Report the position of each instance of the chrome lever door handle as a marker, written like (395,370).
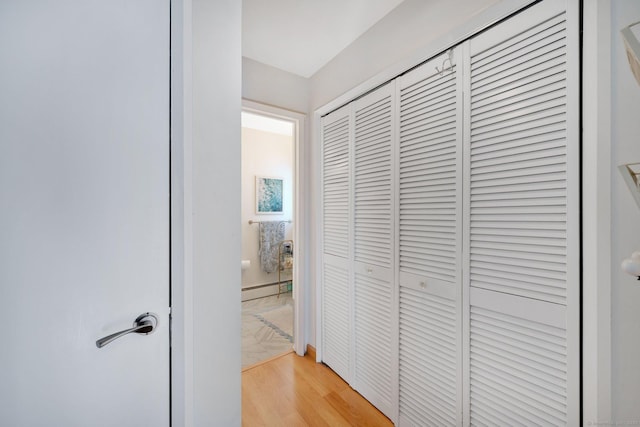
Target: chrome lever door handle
(144,324)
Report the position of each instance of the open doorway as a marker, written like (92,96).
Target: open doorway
(270,238)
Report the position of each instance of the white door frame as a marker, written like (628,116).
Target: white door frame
(300,287)
(205,383)
(596,212)
(181,222)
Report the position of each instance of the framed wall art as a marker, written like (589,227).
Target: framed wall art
(269,195)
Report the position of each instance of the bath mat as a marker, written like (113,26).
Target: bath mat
(279,320)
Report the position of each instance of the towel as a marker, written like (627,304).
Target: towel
(271,234)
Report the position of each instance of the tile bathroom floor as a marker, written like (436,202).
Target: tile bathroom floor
(267,328)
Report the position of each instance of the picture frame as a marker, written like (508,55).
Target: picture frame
(269,195)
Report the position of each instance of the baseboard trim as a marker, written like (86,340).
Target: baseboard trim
(264,285)
(311,351)
(262,291)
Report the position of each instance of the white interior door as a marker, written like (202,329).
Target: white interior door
(84,224)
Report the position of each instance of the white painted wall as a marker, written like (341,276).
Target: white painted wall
(405,30)
(272,86)
(625,221)
(212,204)
(263,154)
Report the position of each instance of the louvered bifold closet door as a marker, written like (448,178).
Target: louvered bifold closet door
(523,219)
(336,261)
(374,120)
(429,227)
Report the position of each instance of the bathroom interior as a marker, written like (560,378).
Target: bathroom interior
(267,237)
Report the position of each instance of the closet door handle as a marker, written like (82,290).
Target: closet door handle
(144,324)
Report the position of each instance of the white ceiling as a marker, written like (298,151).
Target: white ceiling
(300,36)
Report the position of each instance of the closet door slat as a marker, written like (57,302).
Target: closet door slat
(335,184)
(373,376)
(500,168)
(428,368)
(429,169)
(336,334)
(518,359)
(372,178)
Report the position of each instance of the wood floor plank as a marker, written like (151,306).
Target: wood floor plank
(296,419)
(358,405)
(296,391)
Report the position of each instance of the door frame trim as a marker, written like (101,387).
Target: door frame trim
(596,211)
(300,291)
(181,198)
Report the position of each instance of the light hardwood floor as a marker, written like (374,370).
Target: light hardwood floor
(296,391)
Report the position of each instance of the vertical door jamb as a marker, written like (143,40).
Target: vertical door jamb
(299,213)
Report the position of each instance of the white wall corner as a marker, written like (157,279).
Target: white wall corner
(596,211)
